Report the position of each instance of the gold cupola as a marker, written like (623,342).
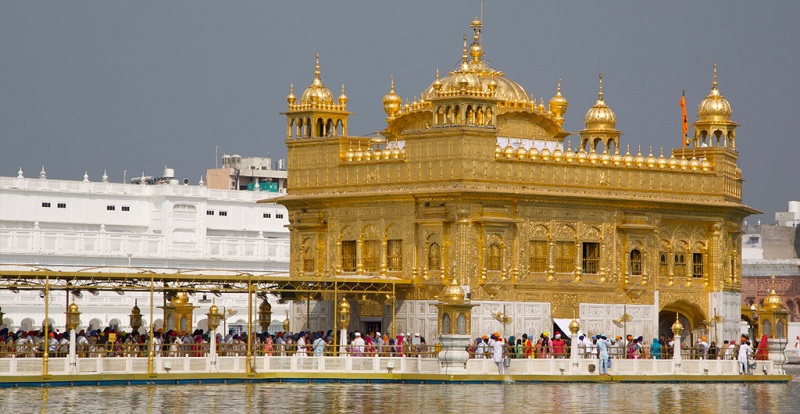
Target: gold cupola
(600,116)
(714,108)
(601,126)
(773,301)
(343,98)
(558,105)
(317,93)
(291,98)
(392,101)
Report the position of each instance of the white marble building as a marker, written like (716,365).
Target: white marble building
(61,224)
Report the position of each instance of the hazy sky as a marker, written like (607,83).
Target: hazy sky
(135,85)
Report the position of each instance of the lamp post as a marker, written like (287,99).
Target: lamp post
(344,322)
(264,314)
(73,320)
(574,327)
(213,316)
(677,330)
(135,317)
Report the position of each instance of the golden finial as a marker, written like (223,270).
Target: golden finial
(464,53)
(391,80)
(600,93)
(316,67)
(291,98)
(342,97)
(714,85)
(558,90)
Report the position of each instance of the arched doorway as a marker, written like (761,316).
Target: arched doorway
(691,317)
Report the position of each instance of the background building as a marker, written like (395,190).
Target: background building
(248,173)
(88,225)
(773,250)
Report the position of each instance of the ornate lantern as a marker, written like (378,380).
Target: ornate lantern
(73,316)
(213,316)
(136,317)
(286,323)
(677,327)
(264,315)
(344,314)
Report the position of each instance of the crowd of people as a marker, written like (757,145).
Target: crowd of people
(111,343)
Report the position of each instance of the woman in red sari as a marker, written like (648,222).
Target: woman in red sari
(763,353)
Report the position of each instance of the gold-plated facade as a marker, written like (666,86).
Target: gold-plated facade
(475,182)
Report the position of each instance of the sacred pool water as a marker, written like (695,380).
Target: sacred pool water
(405,398)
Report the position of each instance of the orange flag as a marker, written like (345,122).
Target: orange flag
(685,126)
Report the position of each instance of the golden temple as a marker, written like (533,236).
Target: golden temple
(474,183)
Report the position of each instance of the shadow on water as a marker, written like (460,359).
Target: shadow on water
(507,397)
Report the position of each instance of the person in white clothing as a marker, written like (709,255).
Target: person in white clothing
(301,345)
(497,355)
(797,346)
(744,352)
(358,345)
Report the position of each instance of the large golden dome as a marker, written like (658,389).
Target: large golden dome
(316,93)
(600,116)
(714,107)
(453,293)
(476,76)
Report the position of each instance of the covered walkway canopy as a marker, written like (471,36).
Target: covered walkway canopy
(109,278)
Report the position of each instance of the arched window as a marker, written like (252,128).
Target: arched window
(767,328)
(446,323)
(434,257)
(636,262)
(308,260)
(662,264)
(495,258)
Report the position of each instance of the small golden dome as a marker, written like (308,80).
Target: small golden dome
(674,163)
(705,164)
(714,108)
(265,306)
(386,153)
(628,158)
(522,152)
(317,93)
(545,153)
(498,151)
(677,327)
(559,104)
(569,154)
(508,151)
(574,326)
(694,164)
(616,158)
(180,298)
(582,155)
(662,162)
(533,153)
(73,307)
(600,116)
(136,310)
(343,98)
(348,156)
(453,293)
(391,101)
(541,105)
(395,152)
(773,302)
(558,154)
(639,160)
(213,309)
(593,157)
(290,97)
(650,160)
(684,163)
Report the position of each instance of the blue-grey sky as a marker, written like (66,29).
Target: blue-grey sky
(135,85)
